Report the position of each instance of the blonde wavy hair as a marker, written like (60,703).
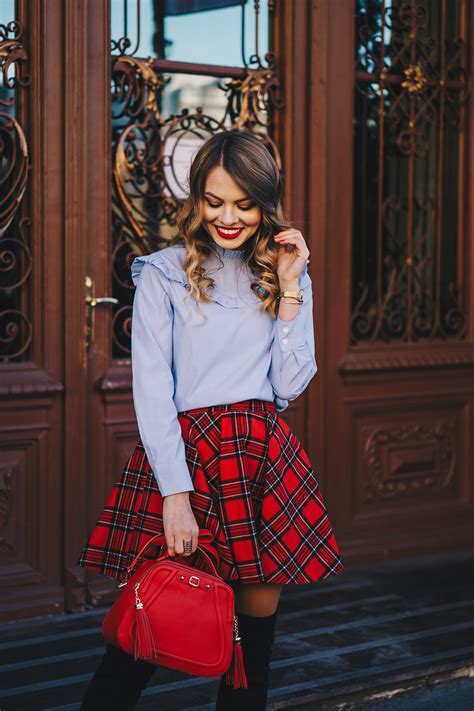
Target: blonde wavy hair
(253,168)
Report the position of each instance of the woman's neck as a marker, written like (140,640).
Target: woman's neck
(232,253)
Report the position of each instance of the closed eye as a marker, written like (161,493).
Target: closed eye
(241,207)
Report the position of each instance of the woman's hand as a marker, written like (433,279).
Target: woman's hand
(290,261)
(179,523)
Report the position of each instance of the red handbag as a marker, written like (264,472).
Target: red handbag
(178,616)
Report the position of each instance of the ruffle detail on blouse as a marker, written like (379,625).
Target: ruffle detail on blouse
(233,302)
(168,261)
(158,260)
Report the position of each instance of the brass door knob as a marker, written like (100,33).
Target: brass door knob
(91,302)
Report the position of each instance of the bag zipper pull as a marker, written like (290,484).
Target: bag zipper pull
(144,643)
(235,674)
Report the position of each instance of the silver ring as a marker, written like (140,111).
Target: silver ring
(188,546)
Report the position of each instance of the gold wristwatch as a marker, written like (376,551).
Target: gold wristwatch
(298,295)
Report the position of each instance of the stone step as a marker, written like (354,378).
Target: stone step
(354,639)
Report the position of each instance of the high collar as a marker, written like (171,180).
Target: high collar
(228,252)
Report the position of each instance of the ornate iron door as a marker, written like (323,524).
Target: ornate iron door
(90,135)
(158,111)
(400,348)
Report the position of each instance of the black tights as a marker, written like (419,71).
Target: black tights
(117,683)
(119,680)
(258,635)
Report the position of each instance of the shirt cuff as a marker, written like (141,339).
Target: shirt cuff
(174,479)
(291,334)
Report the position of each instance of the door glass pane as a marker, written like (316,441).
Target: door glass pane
(159,119)
(7,15)
(410,106)
(15,247)
(209,36)
(220,33)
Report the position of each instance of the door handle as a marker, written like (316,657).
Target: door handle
(91,303)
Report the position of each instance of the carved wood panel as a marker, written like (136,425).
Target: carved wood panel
(406,454)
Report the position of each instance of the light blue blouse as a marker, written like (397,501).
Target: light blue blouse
(181,360)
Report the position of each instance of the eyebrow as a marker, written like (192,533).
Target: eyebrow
(218,198)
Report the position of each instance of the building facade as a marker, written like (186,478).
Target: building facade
(367,107)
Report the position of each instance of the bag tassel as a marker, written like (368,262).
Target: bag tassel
(235,675)
(144,641)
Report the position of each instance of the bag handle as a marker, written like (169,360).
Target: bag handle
(205,555)
(205,538)
(204,547)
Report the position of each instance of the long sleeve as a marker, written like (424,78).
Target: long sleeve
(153,383)
(293,362)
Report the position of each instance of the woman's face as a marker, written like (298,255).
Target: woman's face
(230,216)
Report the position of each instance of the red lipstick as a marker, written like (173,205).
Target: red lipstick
(229,235)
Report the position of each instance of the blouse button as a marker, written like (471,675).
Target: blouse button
(284,340)
(285,329)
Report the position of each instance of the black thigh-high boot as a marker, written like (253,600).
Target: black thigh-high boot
(258,636)
(117,683)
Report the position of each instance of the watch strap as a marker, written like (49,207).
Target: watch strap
(293,294)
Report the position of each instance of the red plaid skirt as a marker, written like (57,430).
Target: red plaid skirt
(254,489)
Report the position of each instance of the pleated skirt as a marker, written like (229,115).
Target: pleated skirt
(254,489)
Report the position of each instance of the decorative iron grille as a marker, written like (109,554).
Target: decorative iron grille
(15,250)
(411,99)
(155,132)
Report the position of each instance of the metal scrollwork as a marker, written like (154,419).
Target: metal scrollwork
(151,152)
(15,254)
(12,58)
(412,89)
(250,101)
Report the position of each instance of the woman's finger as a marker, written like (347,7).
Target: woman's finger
(288,232)
(170,543)
(189,536)
(294,239)
(179,543)
(296,242)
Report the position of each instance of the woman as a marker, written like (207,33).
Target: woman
(222,339)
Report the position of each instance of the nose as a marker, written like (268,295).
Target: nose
(228,217)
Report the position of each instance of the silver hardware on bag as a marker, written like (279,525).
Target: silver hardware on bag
(138,602)
(237,637)
(194,580)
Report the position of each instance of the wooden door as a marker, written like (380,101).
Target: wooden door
(68,422)
(32,375)
(387,421)
(393,164)
(55,181)
(133,188)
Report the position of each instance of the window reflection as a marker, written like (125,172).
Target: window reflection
(214,37)
(209,36)
(7,15)
(191,91)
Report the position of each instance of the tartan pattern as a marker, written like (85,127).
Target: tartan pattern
(255,490)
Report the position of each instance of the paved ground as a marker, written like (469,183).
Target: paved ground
(457,695)
(386,637)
